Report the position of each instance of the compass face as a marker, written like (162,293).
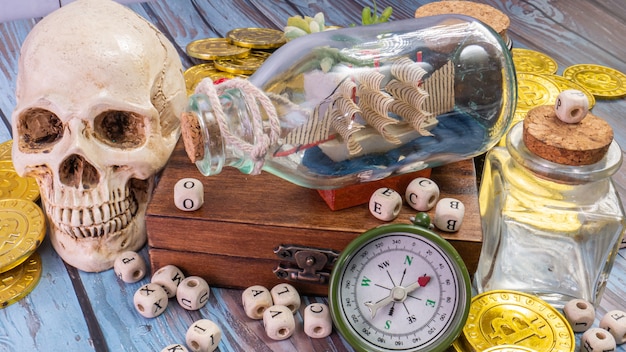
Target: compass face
(400,288)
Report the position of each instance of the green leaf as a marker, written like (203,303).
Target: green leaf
(384,17)
(292,32)
(366,16)
(319,18)
(298,22)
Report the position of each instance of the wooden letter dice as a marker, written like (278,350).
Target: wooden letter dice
(188,194)
(279,322)
(150,300)
(192,293)
(169,277)
(580,314)
(256,299)
(129,266)
(597,340)
(286,295)
(203,336)
(177,347)
(385,204)
(422,194)
(571,106)
(449,214)
(317,321)
(615,323)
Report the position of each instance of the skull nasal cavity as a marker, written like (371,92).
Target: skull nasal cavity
(76,172)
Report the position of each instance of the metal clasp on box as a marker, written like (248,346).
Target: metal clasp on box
(305,264)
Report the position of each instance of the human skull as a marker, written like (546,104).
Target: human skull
(99,91)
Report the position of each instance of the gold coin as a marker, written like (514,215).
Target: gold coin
(215,49)
(5,150)
(460,345)
(6,163)
(194,74)
(13,185)
(246,65)
(16,283)
(534,90)
(565,84)
(22,228)
(601,81)
(505,317)
(530,61)
(257,38)
(509,348)
(197,73)
(455,347)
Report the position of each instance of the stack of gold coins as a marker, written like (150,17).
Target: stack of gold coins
(239,54)
(539,84)
(22,229)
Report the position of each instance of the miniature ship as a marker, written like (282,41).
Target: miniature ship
(376,110)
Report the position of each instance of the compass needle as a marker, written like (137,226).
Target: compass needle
(397,294)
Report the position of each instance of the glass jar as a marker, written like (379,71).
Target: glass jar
(359,104)
(548,229)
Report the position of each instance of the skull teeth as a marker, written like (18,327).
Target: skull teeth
(108,218)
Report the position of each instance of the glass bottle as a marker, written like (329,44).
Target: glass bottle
(549,229)
(360,104)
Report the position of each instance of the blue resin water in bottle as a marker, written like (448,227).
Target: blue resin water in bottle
(353,105)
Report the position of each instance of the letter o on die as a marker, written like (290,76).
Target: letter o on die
(188,194)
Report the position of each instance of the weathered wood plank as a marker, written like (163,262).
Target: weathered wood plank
(12,35)
(50,317)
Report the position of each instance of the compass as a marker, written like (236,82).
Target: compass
(399,288)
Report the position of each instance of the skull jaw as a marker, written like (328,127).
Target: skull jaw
(96,254)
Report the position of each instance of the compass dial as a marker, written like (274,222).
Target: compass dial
(399,288)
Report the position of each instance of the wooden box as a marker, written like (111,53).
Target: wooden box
(358,194)
(253,226)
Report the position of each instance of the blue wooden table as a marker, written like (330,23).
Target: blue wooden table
(75,311)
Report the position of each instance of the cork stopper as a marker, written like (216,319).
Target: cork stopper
(582,143)
(192,136)
(491,16)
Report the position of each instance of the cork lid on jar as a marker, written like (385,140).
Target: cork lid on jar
(491,16)
(574,143)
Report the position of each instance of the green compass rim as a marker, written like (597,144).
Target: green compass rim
(340,321)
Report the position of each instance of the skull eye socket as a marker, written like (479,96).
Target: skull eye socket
(121,129)
(39,129)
